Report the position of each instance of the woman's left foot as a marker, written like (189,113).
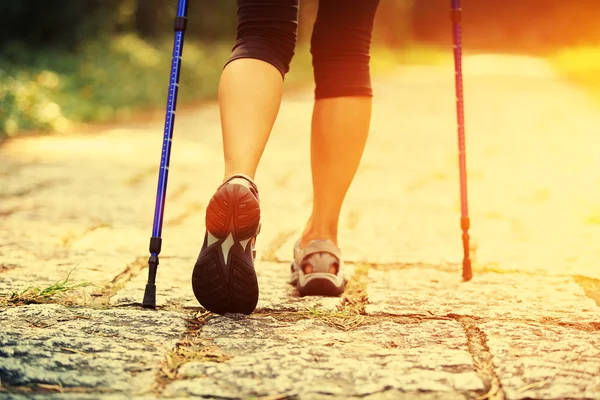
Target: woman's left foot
(224,279)
(318,269)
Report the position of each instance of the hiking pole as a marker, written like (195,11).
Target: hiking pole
(456,13)
(163,173)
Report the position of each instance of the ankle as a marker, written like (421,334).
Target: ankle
(246,172)
(315,231)
(238,175)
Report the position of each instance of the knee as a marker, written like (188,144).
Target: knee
(267,30)
(340,48)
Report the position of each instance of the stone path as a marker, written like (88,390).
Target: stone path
(526,327)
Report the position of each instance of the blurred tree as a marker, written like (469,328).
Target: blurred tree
(210,20)
(60,23)
(153,17)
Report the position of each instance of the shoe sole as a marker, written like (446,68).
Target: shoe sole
(317,284)
(224,279)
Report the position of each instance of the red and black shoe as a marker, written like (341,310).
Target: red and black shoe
(224,279)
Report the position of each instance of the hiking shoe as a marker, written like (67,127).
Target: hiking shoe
(318,269)
(224,279)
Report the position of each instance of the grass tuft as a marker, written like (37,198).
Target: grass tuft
(189,349)
(36,295)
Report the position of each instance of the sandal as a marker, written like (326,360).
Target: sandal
(317,270)
(224,279)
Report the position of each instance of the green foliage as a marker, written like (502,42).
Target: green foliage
(71,60)
(27,102)
(35,295)
(46,90)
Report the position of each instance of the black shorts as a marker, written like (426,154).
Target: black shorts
(340,42)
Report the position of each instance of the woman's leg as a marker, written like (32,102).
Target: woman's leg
(251,84)
(342,111)
(224,279)
(249,97)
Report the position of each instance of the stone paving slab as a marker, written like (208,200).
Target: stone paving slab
(489,295)
(173,286)
(114,350)
(307,357)
(545,362)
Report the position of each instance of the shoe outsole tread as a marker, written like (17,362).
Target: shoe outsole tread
(224,279)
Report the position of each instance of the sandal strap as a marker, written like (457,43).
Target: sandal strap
(321,246)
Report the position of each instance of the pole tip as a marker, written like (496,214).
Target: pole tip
(467,272)
(149,296)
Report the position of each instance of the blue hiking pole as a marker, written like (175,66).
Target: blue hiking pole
(456,13)
(156,240)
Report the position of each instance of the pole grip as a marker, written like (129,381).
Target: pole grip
(180,24)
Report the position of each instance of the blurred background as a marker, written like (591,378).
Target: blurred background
(73,61)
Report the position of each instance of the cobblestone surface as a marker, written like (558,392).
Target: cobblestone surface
(309,358)
(541,361)
(489,295)
(81,206)
(111,350)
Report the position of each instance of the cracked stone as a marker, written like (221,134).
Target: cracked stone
(489,295)
(547,362)
(173,285)
(308,358)
(98,349)
(40,258)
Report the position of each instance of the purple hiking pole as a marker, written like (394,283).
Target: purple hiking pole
(149,300)
(456,13)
